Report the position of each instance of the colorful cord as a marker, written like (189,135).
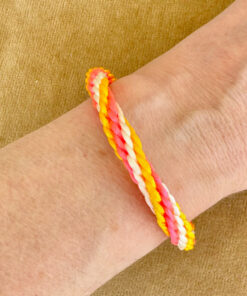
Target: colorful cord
(128,148)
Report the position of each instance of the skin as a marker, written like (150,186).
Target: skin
(70,216)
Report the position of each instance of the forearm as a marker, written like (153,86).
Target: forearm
(68,207)
(71,218)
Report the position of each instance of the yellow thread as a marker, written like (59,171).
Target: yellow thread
(148,179)
(189,231)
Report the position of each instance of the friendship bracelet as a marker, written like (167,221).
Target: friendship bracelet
(128,148)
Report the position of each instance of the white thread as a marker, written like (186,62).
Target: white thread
(95,88)
(132,158)
(182,242)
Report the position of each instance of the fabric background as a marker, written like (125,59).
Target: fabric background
(46,47)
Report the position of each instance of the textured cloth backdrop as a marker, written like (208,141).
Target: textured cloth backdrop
(46,47)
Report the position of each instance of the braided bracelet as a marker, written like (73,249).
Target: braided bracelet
(128,148)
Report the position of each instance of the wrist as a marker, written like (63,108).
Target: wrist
(172,141)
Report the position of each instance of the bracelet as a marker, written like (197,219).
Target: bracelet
(128,148)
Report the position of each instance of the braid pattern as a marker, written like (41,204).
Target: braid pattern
(128,148)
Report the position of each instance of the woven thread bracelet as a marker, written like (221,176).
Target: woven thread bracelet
(128,148)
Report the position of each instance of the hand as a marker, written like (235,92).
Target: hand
(71,218)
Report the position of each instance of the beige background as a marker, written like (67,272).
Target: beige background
(46,47)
